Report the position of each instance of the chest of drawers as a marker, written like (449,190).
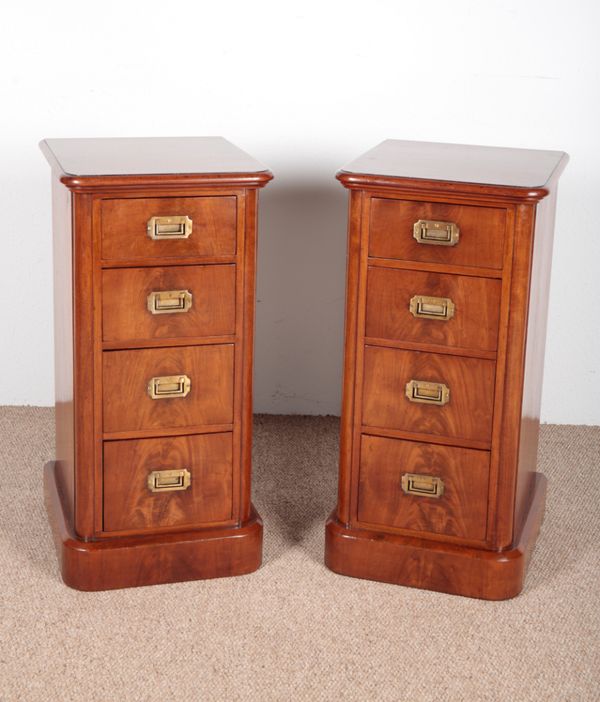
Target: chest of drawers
(448,273)
(154,262)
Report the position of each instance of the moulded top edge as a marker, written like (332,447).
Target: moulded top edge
(151,156)
(526,169)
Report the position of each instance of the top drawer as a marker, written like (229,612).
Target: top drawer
(479,242)
(166,227)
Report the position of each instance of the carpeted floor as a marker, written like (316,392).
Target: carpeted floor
(294,630)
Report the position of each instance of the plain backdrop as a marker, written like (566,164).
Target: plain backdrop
(304,87)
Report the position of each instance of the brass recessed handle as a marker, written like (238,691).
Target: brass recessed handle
(441,308)
(169,301)
(422,485)
(427,393)
(169,386)
(172,227)
(429,231)
(169,480)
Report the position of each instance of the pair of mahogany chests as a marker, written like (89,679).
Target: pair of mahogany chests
(447,288)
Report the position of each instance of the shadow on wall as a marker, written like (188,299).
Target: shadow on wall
(300,297)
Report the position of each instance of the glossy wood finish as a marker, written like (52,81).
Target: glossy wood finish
(124,227)
(491,360)
(468,414)
(481,237)
(435,565)
(128,407)
(533,371)
(169,157)
(459,168)
(114,346)
(164,557)
(63,336)
(460,511)
(130,506)
(474,324)
(125,314)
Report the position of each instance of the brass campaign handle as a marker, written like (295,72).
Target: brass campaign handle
(425,307)
(169,480)
(422,485)
(430,231)
(171,227)
(168,387)
(427,393)
(169,301)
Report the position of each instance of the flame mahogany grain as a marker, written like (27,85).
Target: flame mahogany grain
(459,512)
(124,227)
(481,239)
(468,414)
(129,506)
(125,315)
(110,531)
(128,407)
(477,538)
(475,321)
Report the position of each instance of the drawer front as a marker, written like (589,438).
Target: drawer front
(178,301)
(125,227)
(465,313)
(480,238)
(466,413)
(139,493)
(127,403)
(423,487)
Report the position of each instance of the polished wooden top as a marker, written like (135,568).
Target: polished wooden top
(457,163)
(95,162)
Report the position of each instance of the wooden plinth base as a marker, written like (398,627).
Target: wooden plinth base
(458,570)
(109,564)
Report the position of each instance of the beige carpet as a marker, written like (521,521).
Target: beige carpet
(294,630)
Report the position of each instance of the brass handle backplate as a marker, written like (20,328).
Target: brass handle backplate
(427,393)
(429,231)
(173,227)
(422,485)
(169,480)
(169,301)
(169,386)
(441,308)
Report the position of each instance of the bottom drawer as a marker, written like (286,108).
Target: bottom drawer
(460,475)
(197,491)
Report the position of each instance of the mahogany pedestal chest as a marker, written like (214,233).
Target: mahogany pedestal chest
(448,273)
(154,268)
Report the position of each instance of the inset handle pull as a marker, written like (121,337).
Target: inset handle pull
(429,231)
(441,308)
(427,393)
(422,485)
(169,386)
(172,227)
(169,301)
(169,480)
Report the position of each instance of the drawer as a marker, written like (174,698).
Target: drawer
(400,484)
(210,231)
(465,314)
(178,301)
(467,413)
(139,493)
(480,238)
(128,379)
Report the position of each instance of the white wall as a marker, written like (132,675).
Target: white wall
(305,87)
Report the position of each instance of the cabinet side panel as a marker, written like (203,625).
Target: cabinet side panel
(348,401)
(84,379)
(63,343)
(534,357)
(514,375)
(245,314)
